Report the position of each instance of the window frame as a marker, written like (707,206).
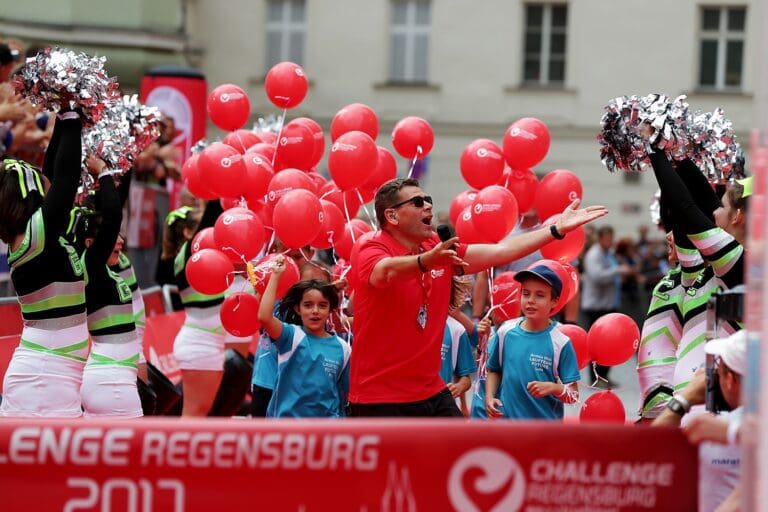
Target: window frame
(409,31)
(286,28)
(721,36)
(545,55)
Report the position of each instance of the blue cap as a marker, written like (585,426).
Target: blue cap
(544,273)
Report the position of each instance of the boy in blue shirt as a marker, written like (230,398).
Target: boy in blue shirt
(457,359)
(533,361)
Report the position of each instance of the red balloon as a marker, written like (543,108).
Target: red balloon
(203,240)
(573,277)
(578,337)
(228,107)
(263,270)
(603,407)
(526,143)
(286,85)
(190,175)
(557,190)
(229,202)
(412,137)
(466,230)
(385,170)
(317,135)
(494,212)
(239,233)
(461,201)
(567,249)
(241,140)
(209,271)
(264,210)
(296,146)
(297,218)
(352,159)
(481,163)
(222,170)
(612,339)
(239,314)
(258,175)
(265,149)
(344,245)
(347,202)
(332,227)
(523,184)
(287,180)
(565,279)
(318,180)
(505,293)
(355,117)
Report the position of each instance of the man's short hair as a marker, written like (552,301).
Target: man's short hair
(604,230)
(386,196)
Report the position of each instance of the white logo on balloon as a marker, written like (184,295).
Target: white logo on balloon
(499,470)
(572,195)
(226,163)
(478,208)
(227,220)
(482,152)
(298,71)
(224,97)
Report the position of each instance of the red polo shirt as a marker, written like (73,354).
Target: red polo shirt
(394,359)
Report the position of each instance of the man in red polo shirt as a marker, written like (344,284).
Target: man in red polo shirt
(402,299)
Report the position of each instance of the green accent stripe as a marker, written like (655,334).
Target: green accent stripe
(61,351)
(215,330)
(658,332)
(727,259)
(189,298)
(661,398)
(680,386)
(34,235)
(698,237)
(695,342)
(110,321)
(59,301)
(99,360)
(657,362)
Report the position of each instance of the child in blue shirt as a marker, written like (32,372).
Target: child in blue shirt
(312,365)
(457,359)
(533,361)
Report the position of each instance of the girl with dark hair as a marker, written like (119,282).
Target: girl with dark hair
(109,380)
(199,345)
(45,373)
(313,364)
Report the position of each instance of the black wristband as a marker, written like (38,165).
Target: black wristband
(555,232)
(421,266)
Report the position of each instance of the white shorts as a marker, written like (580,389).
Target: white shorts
(198,349)
(111,392)
(140,335)
(41,385)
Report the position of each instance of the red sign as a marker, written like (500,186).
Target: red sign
(398,465)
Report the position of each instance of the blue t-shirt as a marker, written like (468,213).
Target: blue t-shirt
(456,352)
(521,357)
(478,395)
(312,375)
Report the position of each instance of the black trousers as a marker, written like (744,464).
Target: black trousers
(260,398)
(441,405)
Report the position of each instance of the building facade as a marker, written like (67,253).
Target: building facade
(469,68)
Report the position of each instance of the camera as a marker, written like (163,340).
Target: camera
(723,307)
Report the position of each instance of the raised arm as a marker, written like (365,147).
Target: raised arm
(272,326)
(111,217)
(65,176)
(483,256)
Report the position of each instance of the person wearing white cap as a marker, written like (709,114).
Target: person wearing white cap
(719,455)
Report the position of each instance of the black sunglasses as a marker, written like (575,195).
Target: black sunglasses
(418,202)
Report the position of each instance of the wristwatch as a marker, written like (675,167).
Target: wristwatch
(678,405)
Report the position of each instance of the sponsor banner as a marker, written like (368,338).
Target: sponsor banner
(388,465)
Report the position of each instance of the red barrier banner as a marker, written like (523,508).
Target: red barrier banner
(389,465)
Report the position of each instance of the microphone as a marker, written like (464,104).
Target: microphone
(444,233)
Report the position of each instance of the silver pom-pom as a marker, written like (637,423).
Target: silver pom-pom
(57,78)
(633,126)
(125,129)
(268,124)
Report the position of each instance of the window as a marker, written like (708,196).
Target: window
(285,32)
(545,44)
(409,41)
(722,47)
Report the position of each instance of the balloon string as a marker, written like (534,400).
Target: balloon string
(240,140)
(365,208)
(349,221)
(490,285)
(413,162)
(271,241)
(597,376)
(279,132)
